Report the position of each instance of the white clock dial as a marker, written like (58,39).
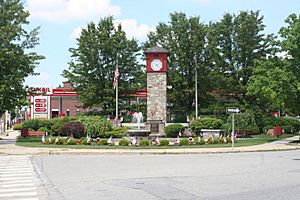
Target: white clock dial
(156,65)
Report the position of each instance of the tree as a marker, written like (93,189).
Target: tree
(185,39)
(233,45)
(91,70)
(290,45)
(273,85)
(17,61)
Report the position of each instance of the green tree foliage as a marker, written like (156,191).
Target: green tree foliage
(291,46)
(273,85)
(91,71)
(17,60)
(185,39)
(234,43)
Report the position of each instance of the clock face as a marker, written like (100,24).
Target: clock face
(156,65)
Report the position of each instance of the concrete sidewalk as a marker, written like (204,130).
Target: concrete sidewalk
(8,147)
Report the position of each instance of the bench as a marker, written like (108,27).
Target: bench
(207,133)
(243,133)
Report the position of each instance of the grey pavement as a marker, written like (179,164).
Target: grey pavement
(8,147)
(237,176)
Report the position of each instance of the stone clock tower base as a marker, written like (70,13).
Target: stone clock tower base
(156,63)
(156,96)
(156,102)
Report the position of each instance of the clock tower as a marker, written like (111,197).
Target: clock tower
(156,63)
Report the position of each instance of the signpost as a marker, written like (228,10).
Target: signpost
(232,110)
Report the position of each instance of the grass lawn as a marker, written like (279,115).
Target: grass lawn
(255,140)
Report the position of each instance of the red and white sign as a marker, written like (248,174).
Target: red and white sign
(41,107)
(275,113)
(42,90)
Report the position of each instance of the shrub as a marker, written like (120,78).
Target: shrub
(115,133)
(226,127)
(85,142)
(75,129)
(184,141)
(61,141)
(289,122)
(144,142)
(62,120)
(44,129)
(95,125)
(103,142)
(218,140)
(46,123)
(36,124)
(210,140)
(172,130)
(33,124)
(266,128)
(206,123)
(288,129)
(72,141)
(164,143)
(123,142)
(280,121)
(253,128)
(201,142)
(17,126)
(56,129)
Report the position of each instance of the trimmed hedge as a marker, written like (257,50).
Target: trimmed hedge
(173,130)
(206,123)
(44,129)
(115,133)
(164,143)
(184,141)
(144,142)
(123,142)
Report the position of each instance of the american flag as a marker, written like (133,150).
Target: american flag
(117,74)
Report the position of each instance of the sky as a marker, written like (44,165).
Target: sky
(62,20)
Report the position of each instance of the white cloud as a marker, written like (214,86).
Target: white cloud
(130,26)
(76,32)
(67,10)
(133,30)
(44,76)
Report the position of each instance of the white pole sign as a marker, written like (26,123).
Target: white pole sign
(233,110)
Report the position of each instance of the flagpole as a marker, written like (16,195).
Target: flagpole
(117,95)
(196,88)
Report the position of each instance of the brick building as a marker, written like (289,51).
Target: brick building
(51,103)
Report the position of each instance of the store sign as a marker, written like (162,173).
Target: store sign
(41,107)
(42,90)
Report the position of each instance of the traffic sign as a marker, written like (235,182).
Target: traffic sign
(233,110)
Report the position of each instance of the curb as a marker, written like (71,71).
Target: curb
(41,151)
(13,149)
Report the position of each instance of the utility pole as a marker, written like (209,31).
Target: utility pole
(196,88)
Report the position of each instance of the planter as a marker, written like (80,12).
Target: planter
(24,132)
(36,133)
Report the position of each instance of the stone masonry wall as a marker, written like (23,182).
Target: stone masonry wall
(157,96)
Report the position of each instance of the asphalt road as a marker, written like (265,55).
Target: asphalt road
(237,176)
